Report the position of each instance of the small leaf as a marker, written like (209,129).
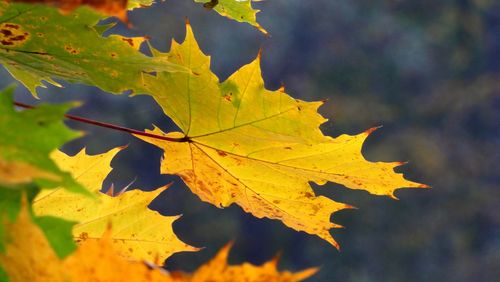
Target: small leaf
(238,10)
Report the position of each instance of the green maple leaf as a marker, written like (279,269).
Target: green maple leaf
(39,43)
(238,10)
(28,137)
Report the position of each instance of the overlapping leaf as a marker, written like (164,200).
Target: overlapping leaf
(138,232)
(28,257)
(238,10)
(38,43)
(26,141)
(258,148)
(28,137)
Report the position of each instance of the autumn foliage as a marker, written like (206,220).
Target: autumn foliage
(239,143)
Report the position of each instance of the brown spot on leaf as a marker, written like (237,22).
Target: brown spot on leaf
(11,25)
(113,55)
(6,32)
(83,236)
(71,50)
(129,41)
(228,97)
(221,153)
(308,195)
(12,34)
(288,148)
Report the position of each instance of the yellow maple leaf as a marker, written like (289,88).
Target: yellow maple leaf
(138,232)
(217,270)
(29,257)
(244,144)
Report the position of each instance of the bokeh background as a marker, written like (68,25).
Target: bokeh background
(428,71)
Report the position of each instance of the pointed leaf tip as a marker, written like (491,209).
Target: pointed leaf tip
(371,130)
(259,54)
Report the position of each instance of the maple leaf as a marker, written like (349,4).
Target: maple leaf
(37,43)
(138,232)
(258,148)
(28,257)
(238,10)
(218,270)
(27,139)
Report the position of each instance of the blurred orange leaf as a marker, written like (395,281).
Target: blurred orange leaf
(217,270)
(29,257)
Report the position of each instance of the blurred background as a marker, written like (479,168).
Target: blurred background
(428,71)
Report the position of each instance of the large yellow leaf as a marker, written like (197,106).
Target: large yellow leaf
(244,144)
(29,257)
(138,232)
(218,270)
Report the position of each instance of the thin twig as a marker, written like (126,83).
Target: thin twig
(112,126)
